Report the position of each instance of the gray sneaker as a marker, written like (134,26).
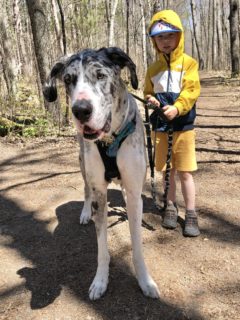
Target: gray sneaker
(191,224)
(170,216)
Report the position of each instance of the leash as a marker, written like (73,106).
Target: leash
(151,156)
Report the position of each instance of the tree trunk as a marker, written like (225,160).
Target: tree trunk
(149,47)
(221,61)
(158,6)
(196,34)
(8,61)
(210,36)
(64,45)
(107,9)
(112,22)
(64,38)
(127,26)
(78,35)
(203,29)
(16,26)
(234,36)
(144,41)
(193,54)
(23,40)
(226,34)
(57,27)
(40,38)
(215,55)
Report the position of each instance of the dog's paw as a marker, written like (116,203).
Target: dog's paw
(150,289)
(84,218)
(86,214)
(97,288)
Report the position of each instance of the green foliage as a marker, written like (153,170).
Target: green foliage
(23,115)
(34,128)
(7,126)
(40,128)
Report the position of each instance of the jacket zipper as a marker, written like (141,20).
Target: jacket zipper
(167,58)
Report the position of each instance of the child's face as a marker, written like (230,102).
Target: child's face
(167,42)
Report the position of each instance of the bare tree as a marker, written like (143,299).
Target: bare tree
(214,44)
(234,36)
(8,60)
(220,35)
(148,11)
(209,21)
(57,26)
(17,26)
(64,38)
(111,7)
(158,6)
(226,34)
(197,34)
(40,38)
(127,26)
(36,11)
(144,51)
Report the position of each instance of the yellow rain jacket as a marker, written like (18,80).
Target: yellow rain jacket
(173,79)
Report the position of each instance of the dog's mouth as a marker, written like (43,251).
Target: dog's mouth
(93,134)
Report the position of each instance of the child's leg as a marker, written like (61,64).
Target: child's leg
(191,228)
(188,189)
(172,186)
(171,213)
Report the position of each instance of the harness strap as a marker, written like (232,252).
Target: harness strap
(128,129)
(108,152)
(110,163)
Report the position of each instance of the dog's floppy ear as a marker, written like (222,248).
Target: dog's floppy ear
(120,58)
(50,88)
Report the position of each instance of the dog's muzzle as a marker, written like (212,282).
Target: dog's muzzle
(82,111)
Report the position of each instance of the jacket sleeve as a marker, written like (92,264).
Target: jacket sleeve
(190,89)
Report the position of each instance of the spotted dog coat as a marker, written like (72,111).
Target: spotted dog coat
(101,107)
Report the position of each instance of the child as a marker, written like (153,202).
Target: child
(172,83)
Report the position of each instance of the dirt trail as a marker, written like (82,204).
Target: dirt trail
(48,260)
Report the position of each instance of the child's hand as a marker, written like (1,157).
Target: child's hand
(170,112)
(152,100)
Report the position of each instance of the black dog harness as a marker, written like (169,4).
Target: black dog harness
(108,151)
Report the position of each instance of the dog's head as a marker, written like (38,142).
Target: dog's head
(92,80)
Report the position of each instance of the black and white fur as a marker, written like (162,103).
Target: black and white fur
(101,106)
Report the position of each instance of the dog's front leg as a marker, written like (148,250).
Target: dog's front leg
(134,210)
(99,214)
(86,211)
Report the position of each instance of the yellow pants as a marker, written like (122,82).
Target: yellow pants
(183,151)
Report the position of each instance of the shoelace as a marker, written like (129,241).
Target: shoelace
(191,221)
(171,213)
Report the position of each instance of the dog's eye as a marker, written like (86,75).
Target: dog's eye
(67,79)
(100,75)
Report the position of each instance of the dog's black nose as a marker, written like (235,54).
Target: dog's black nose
(82,110)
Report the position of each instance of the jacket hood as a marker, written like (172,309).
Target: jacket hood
(171,17)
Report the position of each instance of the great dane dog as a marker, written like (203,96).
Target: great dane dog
(103,110)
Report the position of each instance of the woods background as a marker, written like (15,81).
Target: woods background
(35,33)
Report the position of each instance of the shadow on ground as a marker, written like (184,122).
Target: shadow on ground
(68,258)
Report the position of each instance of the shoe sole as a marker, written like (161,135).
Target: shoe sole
(168,226)
(186,234)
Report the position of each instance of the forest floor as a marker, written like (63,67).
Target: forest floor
(48,260)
